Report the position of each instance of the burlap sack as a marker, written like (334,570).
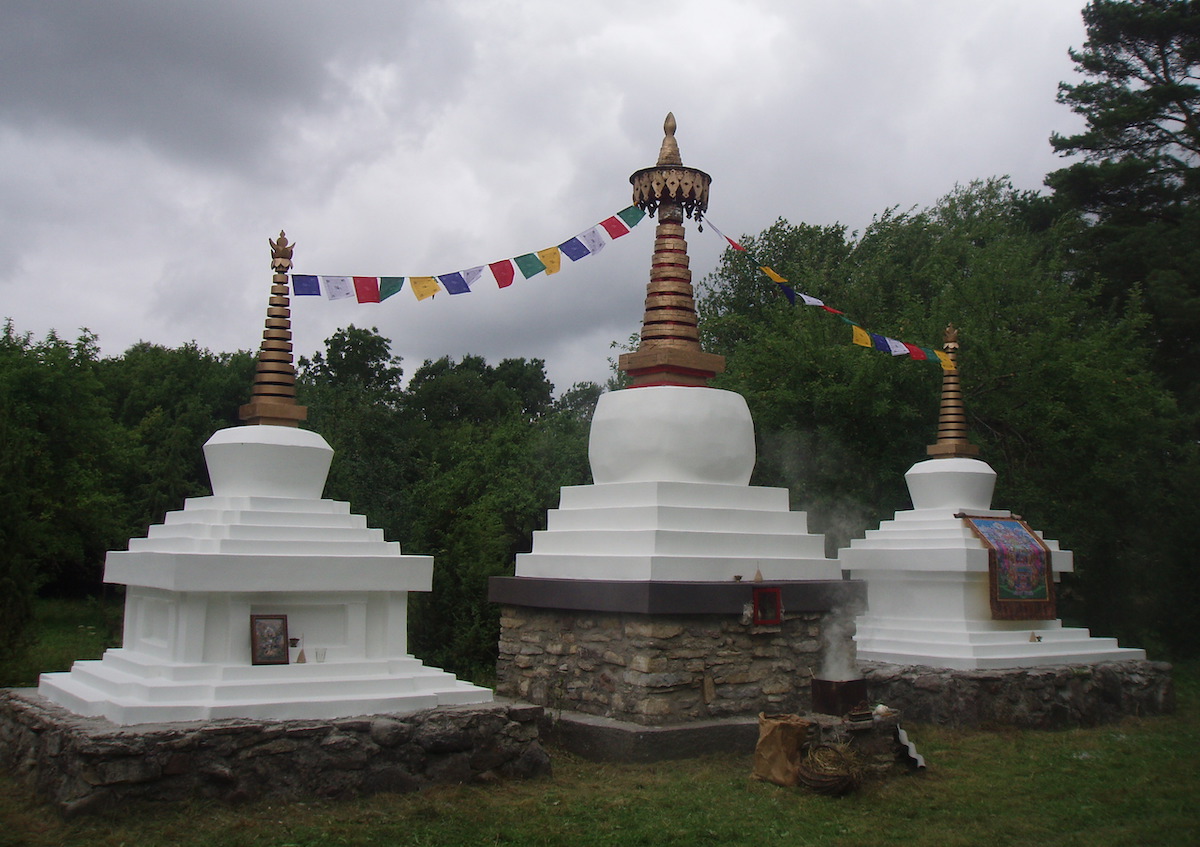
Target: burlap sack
(778,752)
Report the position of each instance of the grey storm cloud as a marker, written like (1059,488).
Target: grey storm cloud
(148,149)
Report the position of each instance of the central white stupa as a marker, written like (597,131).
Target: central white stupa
(671,457)
(264,545)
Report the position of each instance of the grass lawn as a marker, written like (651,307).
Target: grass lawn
(1134,783)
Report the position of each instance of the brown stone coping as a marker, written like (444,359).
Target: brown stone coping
(671,598)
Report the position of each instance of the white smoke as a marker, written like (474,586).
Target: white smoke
(837,647)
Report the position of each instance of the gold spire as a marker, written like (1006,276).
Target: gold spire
(273,398)
(952,416)
(669,352)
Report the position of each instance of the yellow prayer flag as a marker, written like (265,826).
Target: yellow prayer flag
(861,336)
(770,273)
(944,358)
(551,258)
(424,286)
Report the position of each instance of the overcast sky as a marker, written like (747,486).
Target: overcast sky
(149,149)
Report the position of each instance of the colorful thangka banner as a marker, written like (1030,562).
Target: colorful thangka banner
(376,289)
(858,335)
(1020,580)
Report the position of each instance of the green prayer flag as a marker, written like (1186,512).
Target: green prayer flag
(389,285)
(631,216)
(530,264)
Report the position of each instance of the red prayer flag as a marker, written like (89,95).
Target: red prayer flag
(503,272)
(831,309)
(733,243)
(614,227)
(915,351)
(366,289)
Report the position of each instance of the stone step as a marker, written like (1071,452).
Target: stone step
(678,518)
(661,542)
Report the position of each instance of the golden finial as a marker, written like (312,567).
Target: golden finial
(668,154)
(273,397)
(281,253)
(952,438)
(669,352)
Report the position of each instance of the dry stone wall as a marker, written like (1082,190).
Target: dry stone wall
(1052,697)
(85,764)
(660,669)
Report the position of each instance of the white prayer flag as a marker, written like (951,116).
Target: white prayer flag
(592,239)
(897,347)
(338,287)
(472,275)
(810,301)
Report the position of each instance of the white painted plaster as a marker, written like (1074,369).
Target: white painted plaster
(264,542)
(927,585)
(672,499)
(672,434)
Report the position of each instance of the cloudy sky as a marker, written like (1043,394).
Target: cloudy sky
(149,149)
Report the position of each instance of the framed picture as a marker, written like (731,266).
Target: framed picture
(268,640)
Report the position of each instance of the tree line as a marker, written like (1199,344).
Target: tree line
(1078,309)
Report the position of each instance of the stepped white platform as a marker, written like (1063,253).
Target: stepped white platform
(671,499)
(264,542)
(927,585)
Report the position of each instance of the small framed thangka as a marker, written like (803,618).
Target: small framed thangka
(268,640)
(1021,583)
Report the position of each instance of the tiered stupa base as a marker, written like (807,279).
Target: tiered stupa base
(928,596)
(264,543)
(637,604)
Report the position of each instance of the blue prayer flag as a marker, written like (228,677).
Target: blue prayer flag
(305,284)
(575,249)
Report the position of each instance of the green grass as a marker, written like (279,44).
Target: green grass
(1133,783)
(66,630)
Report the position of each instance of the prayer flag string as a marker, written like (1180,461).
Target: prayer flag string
(376,289)
(858,335)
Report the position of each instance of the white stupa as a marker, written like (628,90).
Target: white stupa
(264,544)
(671,458)
(928,593)
(671,499)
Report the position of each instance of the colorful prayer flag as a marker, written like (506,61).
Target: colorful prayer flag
(831,310)
(454,283)
(771,274)
(732,243)
(861,337)
(897,347)
(592,239)
(423,287)
(811,301)
(551,258)
(337,287)
(503,272)
(788,293)
(614,227)
(916,352)
(389,285)
(530,265)
(366,289)
(880,343)
(574,249)
(631,215)
(944,358)
(305,284)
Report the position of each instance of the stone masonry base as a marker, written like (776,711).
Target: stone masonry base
(1052,697)
(82,764)
(661,670)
